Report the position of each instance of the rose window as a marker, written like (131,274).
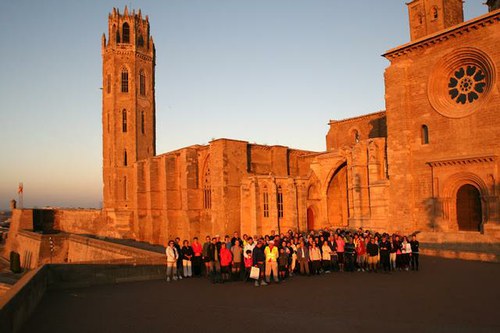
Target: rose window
(466,84)
(461,82)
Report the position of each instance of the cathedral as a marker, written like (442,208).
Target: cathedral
(429,162)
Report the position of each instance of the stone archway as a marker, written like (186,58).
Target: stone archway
(337,198)
(468,208)
(465,202)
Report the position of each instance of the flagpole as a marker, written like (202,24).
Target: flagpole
(20,193)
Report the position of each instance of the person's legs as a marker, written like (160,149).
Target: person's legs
(262,268)
(341,261)
(268,272)
(184,267)
(275,272)
(293,264)
(208,268)
(168,274)
(302,266)
(415,260)
(392,258)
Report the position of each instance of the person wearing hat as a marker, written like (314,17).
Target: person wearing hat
(272,254)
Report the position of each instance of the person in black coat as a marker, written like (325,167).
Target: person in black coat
(414,252)
(385,250)
(259,260)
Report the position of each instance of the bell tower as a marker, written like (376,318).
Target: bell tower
(128,104)
(430,16)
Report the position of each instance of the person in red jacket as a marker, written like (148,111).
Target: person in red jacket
(225,261)
(361,253)
(197,258)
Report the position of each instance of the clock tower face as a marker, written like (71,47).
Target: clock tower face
(460,83)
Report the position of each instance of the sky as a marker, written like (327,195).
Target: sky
(265,71)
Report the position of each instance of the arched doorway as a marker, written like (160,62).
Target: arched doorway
(310,219)
(469,212)
(337,198)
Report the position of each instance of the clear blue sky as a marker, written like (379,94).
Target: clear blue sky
(265,71)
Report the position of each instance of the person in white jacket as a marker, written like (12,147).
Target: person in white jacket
(406,252)
(250,245)
(172,256)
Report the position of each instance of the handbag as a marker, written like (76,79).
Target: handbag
(254,273)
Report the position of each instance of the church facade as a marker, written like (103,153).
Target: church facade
(429,162)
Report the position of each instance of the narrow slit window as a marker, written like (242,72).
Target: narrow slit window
(356,136)
(125,194)
(125,162)
(142,122)
(124,81)
(108,84)
(142,83)
(207,191)
(425,135)
(124,121)
(265,199)
(280,202)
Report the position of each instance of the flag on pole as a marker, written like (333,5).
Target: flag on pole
(20,188)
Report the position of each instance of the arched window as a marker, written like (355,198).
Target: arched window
(124,81)
(125,162)
(356,137)
(425,135)
(126,32)
(265,200)
(280,202)
(140,41)
(142,122)
(116,34)
(142,83)
(124,121)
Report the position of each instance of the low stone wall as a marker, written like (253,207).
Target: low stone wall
(85,249)
(35,250)
(19,302)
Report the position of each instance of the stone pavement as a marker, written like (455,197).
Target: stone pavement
(445,296)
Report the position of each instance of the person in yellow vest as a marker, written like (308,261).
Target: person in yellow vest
(271,253)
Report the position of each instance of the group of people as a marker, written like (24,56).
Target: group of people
(279,256)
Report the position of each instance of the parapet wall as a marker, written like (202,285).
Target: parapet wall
(18,303)
(35,249)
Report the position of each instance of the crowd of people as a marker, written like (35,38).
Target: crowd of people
(276,257)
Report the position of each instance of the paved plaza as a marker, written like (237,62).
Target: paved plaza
(445,296)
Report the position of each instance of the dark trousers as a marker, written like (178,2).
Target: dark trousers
(315,266)
(414,261)
(197,262)
(349,262)
(385,261)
